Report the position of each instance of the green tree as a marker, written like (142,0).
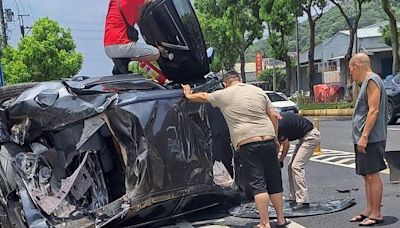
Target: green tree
(314,10)
(230,27)
(257,46)
(386,35)
(280,17)
(49,53)
(394,35)
(215,35)
(332,22)
(267,76)
(352,21)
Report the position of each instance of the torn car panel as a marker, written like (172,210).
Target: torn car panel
(67,108)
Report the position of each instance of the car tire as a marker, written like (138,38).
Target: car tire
(12,91)
(392,119)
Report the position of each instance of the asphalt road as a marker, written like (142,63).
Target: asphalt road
(325,179)
(326,174)
(336,134)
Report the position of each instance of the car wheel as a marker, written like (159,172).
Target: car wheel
(12,91)
(392,119)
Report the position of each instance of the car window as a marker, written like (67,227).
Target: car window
(274,97)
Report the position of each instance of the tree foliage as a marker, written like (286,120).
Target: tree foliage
(386,35)
(332,22)
(280,17)
(267,76)
(314,10)
(257,46)
(352,22)
(49,53)
(393,35)
(230,27)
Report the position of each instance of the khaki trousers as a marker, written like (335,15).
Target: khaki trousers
(297,176)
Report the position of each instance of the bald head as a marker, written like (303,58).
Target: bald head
(360,66)
(361,59)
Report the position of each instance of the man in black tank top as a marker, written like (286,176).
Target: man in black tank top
(293,127)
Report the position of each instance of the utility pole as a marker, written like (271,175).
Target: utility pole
(273,76)
(298,55)
(3,25)
(4,39)
(21,24)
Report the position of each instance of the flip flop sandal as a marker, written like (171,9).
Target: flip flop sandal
(283,225)
(359,218)
(375,222)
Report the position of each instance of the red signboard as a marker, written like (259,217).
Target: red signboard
(259,61)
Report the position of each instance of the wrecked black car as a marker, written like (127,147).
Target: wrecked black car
(99,151)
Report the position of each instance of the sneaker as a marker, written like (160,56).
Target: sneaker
(300,206)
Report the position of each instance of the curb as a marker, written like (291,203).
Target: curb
(327,112)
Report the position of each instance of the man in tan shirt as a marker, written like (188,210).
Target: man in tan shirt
(253,130)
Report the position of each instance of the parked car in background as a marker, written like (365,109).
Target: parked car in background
(282,103)
(392,85)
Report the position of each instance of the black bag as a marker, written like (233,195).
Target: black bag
(133,34)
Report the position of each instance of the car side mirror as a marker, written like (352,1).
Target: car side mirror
(210,54)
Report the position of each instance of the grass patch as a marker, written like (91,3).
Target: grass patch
(336,105)
(307,103)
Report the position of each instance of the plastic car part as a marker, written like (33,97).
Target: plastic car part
(173,26)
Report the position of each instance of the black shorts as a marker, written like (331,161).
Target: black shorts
(258,168)
(372,161)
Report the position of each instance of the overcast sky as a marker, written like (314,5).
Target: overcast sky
(84,17)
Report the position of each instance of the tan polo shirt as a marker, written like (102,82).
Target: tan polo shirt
(244,108)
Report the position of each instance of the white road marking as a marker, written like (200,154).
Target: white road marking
(335,157)
(393,129)
(345,160)
(295,225)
